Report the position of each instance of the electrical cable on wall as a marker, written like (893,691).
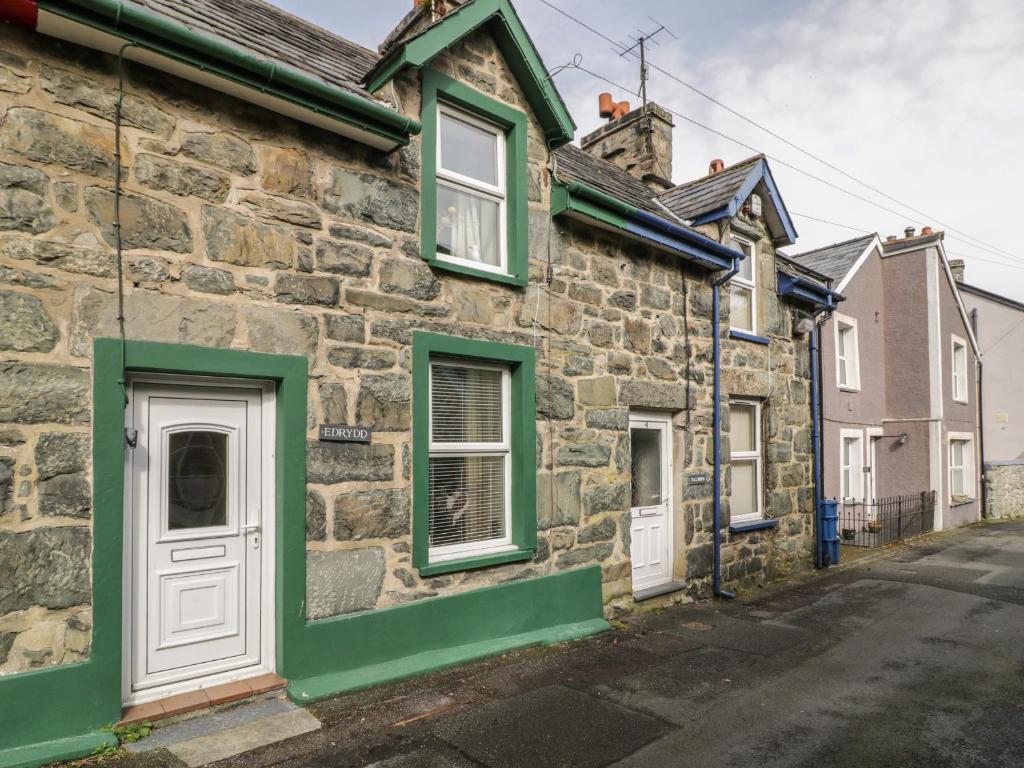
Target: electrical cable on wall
(117,215)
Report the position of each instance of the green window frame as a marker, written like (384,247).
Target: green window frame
(441,89)
(520,362)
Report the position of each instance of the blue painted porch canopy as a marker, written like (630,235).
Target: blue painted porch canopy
(804,289)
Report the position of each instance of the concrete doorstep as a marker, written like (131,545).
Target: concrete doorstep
(216,736)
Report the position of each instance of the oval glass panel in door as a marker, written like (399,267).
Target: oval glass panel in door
(197,467)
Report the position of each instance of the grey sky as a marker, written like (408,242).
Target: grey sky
(919,98)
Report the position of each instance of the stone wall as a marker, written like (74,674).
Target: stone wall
(249,231)
(1005,489)
(779,376)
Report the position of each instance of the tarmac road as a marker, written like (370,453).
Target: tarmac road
(912,659)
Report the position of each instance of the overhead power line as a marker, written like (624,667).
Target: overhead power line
(871,232)
(833,223)
(780,161)
(933,219)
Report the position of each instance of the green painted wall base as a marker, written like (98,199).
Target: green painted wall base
(332,684)
(48,752)
(365,649)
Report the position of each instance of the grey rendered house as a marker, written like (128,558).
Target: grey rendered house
(328,366)
(998,323)
(900,377)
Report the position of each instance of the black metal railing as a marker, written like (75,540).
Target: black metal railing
(883,521)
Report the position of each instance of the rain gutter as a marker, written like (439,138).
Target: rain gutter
(167,44)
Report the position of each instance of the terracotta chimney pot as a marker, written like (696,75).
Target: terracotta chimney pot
(605,105)
(716,166)
(927,231)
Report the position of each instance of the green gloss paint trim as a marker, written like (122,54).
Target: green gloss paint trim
(439,88)
(316,688)
(523,438)
(483,561)
(48,752)
(374,647)
(46,711)
(503,23)
(566,199)
(174,40)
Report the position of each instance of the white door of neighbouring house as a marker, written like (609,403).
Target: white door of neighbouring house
(872,490)
(651,505)
(200,505)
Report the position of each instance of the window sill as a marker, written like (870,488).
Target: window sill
(465,269)
(478,561)
(848,388)
(744,336)
(961,402)
(961,501)
(753,525)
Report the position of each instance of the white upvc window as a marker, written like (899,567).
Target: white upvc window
(470,461)
(743,289)
(471,192)
(847,353)
(961,466)
(959,358)
(745,460)
(851,464)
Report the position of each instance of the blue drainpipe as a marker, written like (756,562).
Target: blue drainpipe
(816,438)
(716,575)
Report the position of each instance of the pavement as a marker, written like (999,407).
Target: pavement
(913,657)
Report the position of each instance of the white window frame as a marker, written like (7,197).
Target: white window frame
(754,457)
(970,490)
(504,448)
(855,468)
(852,358)
(497,193)
(960,388)
(747,285)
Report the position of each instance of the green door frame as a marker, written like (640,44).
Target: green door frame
(61,709)
(46,711)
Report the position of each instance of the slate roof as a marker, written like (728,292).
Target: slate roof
(795,267)
(267,30)
(1012,303)
(690,200)
(576,165)
(835,260)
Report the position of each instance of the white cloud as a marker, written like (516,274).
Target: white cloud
(920,98)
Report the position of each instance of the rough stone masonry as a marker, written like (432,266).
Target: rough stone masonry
(245,230)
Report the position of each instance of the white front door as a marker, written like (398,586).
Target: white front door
(198,495)
(651,505)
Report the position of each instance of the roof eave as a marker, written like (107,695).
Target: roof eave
(759,172)
(173,47)
(514,43)
(581,201)
(802,289)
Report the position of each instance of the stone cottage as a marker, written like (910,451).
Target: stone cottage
(331,366)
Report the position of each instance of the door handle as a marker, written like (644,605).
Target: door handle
(251,528)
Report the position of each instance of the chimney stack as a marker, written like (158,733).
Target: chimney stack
(638,141)
(956,266)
